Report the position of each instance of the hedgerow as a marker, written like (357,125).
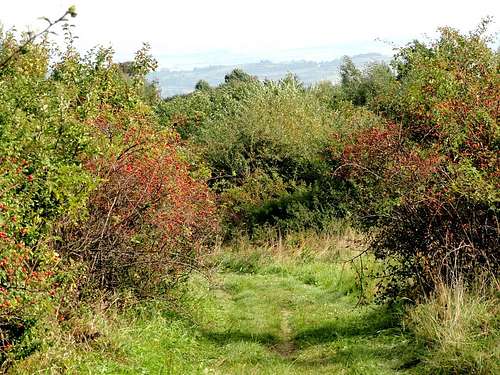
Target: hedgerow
(428,176)
(105,188)
(93,195)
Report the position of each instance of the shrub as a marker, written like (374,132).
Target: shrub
(85,170)
(149,220)
(42,178)
(267,158)
(278,128)
(263,144)
(189,114)
(428,178)
(365,86)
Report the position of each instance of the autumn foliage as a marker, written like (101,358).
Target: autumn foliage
(148,221)
(94,196)
(428,177)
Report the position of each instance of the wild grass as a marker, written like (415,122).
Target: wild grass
(290,305)
(461,328)
(143,338)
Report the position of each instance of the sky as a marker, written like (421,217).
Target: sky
(189,33)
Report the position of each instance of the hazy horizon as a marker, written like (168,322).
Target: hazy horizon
(193,33)
(227,57)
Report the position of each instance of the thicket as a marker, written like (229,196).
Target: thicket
(407,151)
(94,195)
(265,147)
(106,188)
(428,176)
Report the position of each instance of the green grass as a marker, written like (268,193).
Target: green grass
(292,308)
(279,325)
(461,326)
(258,313)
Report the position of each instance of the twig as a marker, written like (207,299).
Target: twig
(71,11)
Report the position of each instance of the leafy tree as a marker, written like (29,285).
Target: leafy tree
(238,75)
(202,85)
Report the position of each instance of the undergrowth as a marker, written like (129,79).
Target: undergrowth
(461,329)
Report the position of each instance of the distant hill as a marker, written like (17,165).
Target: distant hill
(174,82)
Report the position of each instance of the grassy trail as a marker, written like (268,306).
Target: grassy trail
(251,317)
(278,324)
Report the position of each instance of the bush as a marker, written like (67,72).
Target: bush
(189,114)
(267,158)
(264,146)
(278,128)
(85,170)
(367,86)
(149,221)
(428,178)
(42,178)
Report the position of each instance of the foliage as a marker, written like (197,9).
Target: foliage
(188,114)
(84,170)
(202,85)
(264,144)
(106,189)
(428,178)
(42,178)
(367,86)
(149,220)
(238,75)
(279,128)
(266,159)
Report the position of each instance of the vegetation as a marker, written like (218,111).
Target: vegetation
(429,175)
(93,192)
(275,309)
(343,228)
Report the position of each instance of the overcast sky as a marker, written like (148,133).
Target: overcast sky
(184,30)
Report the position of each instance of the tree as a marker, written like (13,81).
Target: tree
(238,75)
(202,85)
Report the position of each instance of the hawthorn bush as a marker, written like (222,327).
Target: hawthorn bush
(42,178)
(148,221)
(92,192)
(428,178)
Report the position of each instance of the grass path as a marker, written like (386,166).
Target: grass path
(264,310)
(273,318)
(277,324)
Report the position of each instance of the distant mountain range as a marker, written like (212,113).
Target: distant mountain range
(175,82)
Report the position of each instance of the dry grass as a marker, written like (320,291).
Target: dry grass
(339,242)
(461,328)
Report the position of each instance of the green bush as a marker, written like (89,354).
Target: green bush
(278,128)
(92,192)
(43,142)
(267,159)
(264,145)
(189,114)
(427,178)
(365,86)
